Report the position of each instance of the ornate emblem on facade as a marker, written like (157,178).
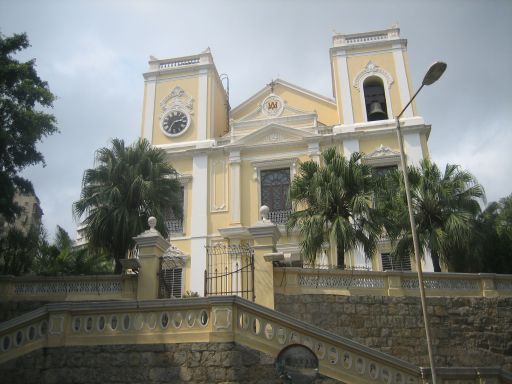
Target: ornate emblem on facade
(176,99)
(272,106)
(372,69)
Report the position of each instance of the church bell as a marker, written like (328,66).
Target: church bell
(376,110)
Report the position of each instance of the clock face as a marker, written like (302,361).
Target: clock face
(175,122)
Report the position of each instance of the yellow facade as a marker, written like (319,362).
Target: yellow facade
(225,160)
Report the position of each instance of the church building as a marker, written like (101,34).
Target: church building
(233,161)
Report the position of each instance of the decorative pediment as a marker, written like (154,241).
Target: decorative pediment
(273,133)
(383,155)
(273,109)
(383,151)
(173,258)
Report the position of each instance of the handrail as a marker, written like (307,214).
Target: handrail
(59,288)
(220,318)
(212,319)
(291,280)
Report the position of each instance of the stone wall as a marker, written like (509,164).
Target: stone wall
(465,331)
(155,363)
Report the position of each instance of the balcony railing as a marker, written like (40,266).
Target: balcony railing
(292,281)
(174,227)
(279,217)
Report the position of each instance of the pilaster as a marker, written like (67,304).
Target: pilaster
(234,186)
(265,235)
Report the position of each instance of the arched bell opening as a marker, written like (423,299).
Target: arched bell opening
(375,99)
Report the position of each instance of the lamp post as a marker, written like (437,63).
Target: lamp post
(433,74)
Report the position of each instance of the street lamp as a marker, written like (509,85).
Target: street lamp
(433,74)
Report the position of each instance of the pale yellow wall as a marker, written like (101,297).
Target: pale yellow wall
(327,112)
(182,164)
(220,121)
(409,82)
(143,110)
(337,90)
(218,217)
(424,146)
(358,63)
(163,88)
(369,145)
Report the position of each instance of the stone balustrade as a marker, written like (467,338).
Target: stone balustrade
(221,319)
(389,283)
(200,320)
(66,288)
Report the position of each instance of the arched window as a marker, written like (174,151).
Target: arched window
(375,99)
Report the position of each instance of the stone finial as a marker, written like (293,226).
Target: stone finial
(152,231)
(264,210)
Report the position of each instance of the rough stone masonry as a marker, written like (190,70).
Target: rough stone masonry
(466,331)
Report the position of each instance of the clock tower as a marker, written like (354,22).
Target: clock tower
(184,100)
(184,112)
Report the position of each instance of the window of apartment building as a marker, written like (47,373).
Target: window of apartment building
(390,263)
(375,99)
(275,184)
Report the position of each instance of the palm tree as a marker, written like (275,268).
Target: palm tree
(333,203)
(444,205)
(127,186)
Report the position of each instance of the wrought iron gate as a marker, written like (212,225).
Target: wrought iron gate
(230,271)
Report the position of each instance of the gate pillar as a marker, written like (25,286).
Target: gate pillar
(265,235)
(151,246)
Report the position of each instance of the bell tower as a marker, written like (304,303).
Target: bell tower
(371,80)
(184,100)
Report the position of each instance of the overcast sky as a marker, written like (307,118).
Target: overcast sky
(93,54)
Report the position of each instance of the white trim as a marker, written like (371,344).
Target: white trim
(350,146)
(403,86)
(412,144)
(234,186)
(264,158)
(202,108)
(265,165)
(346,98)
(314,152)
(199,222)
(149,110)
(382,157)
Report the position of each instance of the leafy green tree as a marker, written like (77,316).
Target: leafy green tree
(61,258)
(333,203)
(490,247)
(23,122)
(18,250)
(127,186)
(444,205)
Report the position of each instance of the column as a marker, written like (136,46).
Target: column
(151,247)
(350,146)
(265,235)
(346,98)
(199,222)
